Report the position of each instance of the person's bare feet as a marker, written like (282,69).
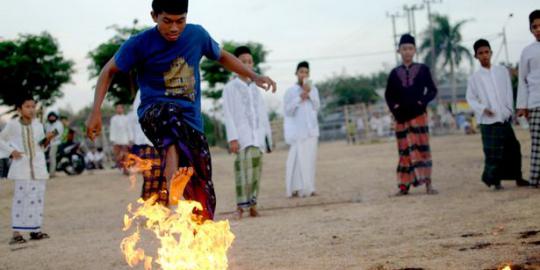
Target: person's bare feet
(313,194)
(253,212)
(401,193)
(238,214)
(295,195)
(179,181)
(431,191)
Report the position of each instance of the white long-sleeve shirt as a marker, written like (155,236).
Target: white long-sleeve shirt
(57,125)
(301,115)
(529,77)
(491,89)
(25,139)
(120,133)
(246,116)
(137,135)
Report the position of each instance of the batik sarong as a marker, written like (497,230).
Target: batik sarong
(164,125)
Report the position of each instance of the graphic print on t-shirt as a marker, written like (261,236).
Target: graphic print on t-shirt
(180,80)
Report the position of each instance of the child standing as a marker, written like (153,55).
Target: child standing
(25,139)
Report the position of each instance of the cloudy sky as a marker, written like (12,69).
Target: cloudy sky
(342,36)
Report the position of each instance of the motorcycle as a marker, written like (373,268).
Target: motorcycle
(70,159)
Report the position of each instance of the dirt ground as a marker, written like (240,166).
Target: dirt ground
(352,224)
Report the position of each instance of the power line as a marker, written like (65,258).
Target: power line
(334,57)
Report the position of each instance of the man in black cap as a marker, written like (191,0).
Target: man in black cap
(410,88)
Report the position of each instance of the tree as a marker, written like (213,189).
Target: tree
(449,52)
(346,90)
(34,65)
(216,75)
(124,86)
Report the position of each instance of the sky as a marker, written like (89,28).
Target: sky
(338,37)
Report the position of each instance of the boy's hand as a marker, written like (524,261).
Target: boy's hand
(93,125)
(523,113)
(16,155)
(489,113)
(266,83)
(304,95)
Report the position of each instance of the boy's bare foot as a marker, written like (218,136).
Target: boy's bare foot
(179,181)
(431,191)
(253,212)
(295,194)
(401,193)
(313,194)
(239,213)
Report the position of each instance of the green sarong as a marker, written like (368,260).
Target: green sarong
(248,168)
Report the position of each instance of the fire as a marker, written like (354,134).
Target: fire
(186,240)
(135,165)
(507,268)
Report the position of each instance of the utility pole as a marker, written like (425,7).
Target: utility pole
(505,41)
(393,17)
(430,20)
(411,19)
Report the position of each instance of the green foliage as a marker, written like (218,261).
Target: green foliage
(346,90)
(123,86)
(216,75)
(32,64)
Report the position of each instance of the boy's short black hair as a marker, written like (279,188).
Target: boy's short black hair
(22,99)
(479,44)
(100,149)
(303,64)
(242,50)
(118,103)
(174,7)
(534,16)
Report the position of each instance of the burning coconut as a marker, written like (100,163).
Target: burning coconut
(186,240)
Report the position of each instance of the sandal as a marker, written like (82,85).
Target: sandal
(38,236)
(17,240)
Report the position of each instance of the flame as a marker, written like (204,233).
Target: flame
(135,165)
(507,268)
(186,240)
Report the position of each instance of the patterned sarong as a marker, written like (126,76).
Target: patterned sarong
(414,152)
(154,181)
(502,153)
(28,203)
(534,123)
(247,169)
(164,125)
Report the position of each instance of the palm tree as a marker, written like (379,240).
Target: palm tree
(449,51)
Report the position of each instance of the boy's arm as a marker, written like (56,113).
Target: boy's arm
(473,99)
(231,63)
(523,90)
(93,126)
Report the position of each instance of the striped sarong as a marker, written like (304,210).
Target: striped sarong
(502,153)
(534,123)
(415,163)
(247,169)
(164,125)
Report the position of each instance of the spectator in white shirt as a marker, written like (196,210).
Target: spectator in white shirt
(120,135)
(528,99)
(248,134)
(490,95)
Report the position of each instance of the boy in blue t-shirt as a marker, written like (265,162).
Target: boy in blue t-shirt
(167,60)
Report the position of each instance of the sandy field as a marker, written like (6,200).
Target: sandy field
(352,224)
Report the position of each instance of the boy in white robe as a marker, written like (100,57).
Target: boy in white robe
(24,139)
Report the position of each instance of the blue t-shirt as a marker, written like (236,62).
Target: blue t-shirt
(169,71)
